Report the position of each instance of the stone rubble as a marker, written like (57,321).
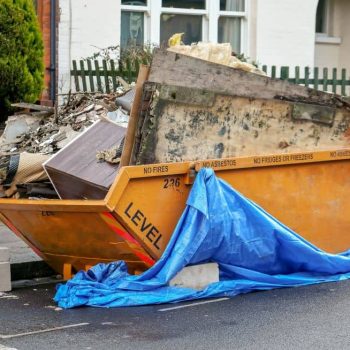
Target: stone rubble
(45,133)
(52,133)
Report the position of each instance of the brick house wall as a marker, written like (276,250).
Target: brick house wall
(43,8)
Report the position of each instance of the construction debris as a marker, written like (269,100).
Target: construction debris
(18,125)
(35,134)
(33,106)
(21,168)
(196,276)
(193,109)
(41,133)
(119,116)
(125,101)
(36,190)
(189,105)
(269,138)
(76,173)
(216,53)
(113,154)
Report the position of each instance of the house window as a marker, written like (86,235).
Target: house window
(134,2)
(232,5)
(230,32)
(155,21)
(322,17)
(132,28)
(132,22)
(232,13)
(188,24)
(182,16)
(191,4)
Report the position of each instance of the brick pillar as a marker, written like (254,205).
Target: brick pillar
(44,13)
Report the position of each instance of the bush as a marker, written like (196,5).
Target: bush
(128,58)
(21,54)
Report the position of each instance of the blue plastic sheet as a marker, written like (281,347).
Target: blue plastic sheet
(254,252)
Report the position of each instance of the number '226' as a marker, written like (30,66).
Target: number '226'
(172,182)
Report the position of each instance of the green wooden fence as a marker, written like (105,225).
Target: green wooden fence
(320,79)
(102,76)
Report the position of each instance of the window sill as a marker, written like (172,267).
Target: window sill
(324,39)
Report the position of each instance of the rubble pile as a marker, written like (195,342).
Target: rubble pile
(82,110)
(216,53)
(51,133)
(111,155)
(38,130)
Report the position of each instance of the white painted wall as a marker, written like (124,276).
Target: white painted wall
(285,34)
(327,55)
(334,50)
(278,32)
(84,26)
(64,48)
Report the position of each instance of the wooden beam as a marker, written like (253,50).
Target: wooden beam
(134,114)
(180,70)
(33,106)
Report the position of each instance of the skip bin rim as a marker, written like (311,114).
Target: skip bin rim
(128,173)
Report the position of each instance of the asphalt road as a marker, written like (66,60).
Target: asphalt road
(314,317)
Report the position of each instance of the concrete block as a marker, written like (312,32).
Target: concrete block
(5,277)
(196,276)
(17,125)
(4,254)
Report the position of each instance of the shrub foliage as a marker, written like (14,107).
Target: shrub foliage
(21,54)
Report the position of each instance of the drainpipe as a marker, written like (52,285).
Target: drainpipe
(53,51)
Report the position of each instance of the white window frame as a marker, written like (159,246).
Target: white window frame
(244,24)
(210,22)
(146,11)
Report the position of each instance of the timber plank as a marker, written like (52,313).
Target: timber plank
(180,70)
(33,107)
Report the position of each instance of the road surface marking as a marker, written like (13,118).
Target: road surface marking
(3,347)
(7,296)
(42,331)
(193,304)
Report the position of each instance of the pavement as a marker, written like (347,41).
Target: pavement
(313,317)
(19,251)
(25,263)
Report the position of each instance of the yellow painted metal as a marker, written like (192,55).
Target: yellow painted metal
(307,191)
(72,233)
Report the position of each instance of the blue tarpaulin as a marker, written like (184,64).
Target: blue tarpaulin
(254,252)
